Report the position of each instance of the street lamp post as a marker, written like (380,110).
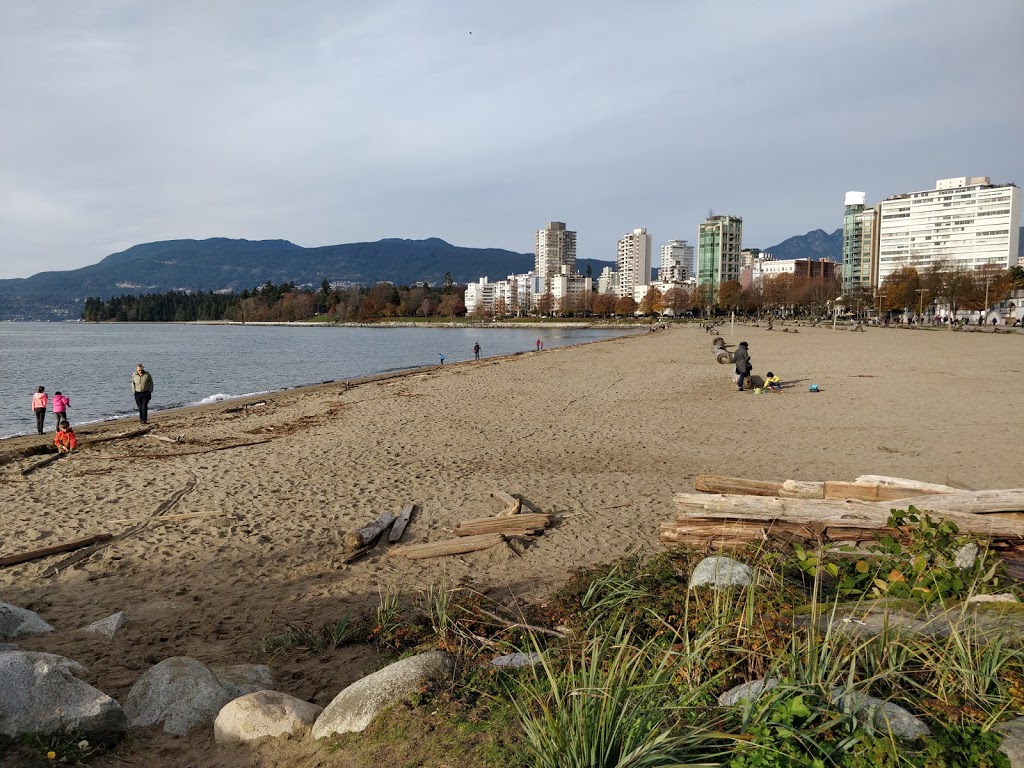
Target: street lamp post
(987,281)
(920,302)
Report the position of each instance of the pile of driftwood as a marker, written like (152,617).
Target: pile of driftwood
(470,535)
(729,512)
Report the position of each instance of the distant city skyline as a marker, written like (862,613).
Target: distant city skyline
(327,123)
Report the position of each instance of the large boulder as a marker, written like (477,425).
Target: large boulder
(884,716)
(179,693)
(263,715)
(240,679)
(1013,741)
(355,707)
(719,572)
(15,622)
(40,694)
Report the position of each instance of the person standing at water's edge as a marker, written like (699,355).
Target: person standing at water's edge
(476,350)
(142,386)
(61,403)
(39,401)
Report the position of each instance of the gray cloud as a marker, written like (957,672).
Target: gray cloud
(325,122)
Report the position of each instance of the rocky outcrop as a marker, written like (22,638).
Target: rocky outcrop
(263,715)
(41,694)
(354,708)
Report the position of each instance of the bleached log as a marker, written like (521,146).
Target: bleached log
(366,535)
(790,489)
(178,439)
(902,482)
(401,522)
(513,506)
(448,547)
(511,525)
(963,508)
(837,489)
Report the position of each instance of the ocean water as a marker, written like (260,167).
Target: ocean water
(192,364)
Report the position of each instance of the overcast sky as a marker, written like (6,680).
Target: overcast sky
(334,121)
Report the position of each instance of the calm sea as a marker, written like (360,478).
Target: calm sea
(192,364)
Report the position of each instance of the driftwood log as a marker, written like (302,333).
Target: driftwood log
(790,489)
(365,536)
(448,547)
(401,522)
(750,518)
(866,488)
(513,506)
(56,549)
(510,525)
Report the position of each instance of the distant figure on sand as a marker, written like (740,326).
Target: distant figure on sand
(65,438)
(39,401)
(538,345)
(743,365)
(441,357)
(142,386)
(772,383)
(476,350)
(61,403)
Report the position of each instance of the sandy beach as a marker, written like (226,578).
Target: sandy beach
(599,435)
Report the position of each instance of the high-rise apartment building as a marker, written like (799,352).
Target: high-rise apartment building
(633,260)
(676,262)
(555,248)
(719,244)
(860,244)
(965,222)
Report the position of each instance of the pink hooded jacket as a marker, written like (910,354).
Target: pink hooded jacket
(61,403)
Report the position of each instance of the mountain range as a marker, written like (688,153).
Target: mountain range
(222,264)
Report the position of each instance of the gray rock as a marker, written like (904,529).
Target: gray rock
(15,622)
(515,660)
(355,707)
(966,556)
(178,693)
(1004,597)
(42,695)
(262,715)
(8,647)
(107,627)
(240,679)
(885,716)
(719,571)
(747,691)
(1013,741)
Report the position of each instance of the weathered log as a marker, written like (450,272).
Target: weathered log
(56,549)
(365,536)
(178,439)
(401,522)
(448,547)
(245,407)
(790,489)
(837,489)
(963,508)
(904,483)
(118,436)
(513,506)
(511,525)
(39,464)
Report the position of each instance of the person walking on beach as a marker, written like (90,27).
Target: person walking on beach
(39,401)
(142,386)
(476,350)
(441,357)
(743,366)
(60,407)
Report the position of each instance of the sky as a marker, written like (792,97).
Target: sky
(334,121)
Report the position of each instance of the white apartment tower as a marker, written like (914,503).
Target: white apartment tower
(633,258)
(555,248)
(676,262)
(965,222)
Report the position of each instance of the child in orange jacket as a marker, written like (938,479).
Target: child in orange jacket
(65,439)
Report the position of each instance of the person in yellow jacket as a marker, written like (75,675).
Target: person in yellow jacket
(772,383)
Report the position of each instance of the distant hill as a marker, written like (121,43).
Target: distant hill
(221,264)
(816,244)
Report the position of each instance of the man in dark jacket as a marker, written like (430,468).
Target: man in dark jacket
(743,367)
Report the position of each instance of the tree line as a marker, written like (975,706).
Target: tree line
(284,303)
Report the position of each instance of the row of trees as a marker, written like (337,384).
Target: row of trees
(284,303)
(956,288)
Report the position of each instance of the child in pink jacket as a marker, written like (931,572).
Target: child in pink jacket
(61,403)
(39,401)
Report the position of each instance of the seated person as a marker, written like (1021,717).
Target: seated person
(772,383)
(65,438)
